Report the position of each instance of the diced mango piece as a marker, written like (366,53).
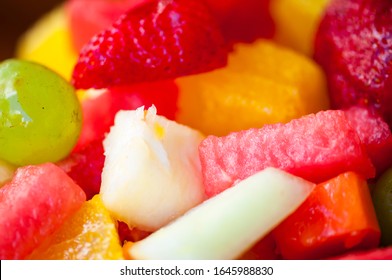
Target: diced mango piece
(263,83)
(297,22)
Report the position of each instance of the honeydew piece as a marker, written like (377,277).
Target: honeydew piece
(226,225)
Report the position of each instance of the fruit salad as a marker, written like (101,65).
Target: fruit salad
(199,129)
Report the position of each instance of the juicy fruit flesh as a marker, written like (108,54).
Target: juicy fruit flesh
(195,111)
(189,42)
(152,172)
(33,206)
(204,231)
(90,234)
(315,147)
(40,114)
(263,83)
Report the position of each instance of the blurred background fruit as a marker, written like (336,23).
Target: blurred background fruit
(16,17)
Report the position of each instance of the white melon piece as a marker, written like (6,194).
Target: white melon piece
(152,171)
(228,224)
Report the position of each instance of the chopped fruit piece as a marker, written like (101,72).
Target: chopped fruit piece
(189,42)
(356,35)
(152,171)
(48,42)
(382,199)
(85,167)
(243,20)
(33,206)
(374,254)
(337,216)
(90,234)
(374,134)
(216,229)
(6,172)
(99,111)
(316,147)
(297,22)
(40,114)
(262,83)
(101,14)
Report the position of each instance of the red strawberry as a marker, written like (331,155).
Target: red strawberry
(354,46)
(155,41)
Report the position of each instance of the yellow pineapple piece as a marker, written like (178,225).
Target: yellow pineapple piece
(297,22)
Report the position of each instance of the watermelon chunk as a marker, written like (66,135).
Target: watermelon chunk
(34,205)
(316,147)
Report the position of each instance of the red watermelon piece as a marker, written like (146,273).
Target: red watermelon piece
(375,134)
(316,147)
(33,205)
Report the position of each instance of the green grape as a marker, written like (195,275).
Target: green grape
(40,114)
(382,199)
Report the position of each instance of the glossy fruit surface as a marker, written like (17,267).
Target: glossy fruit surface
(317,229)
(90,234)
(155,41)
(316,147)
(40,115)
(263,83)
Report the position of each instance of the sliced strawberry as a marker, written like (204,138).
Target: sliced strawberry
(356,35)
(155,41)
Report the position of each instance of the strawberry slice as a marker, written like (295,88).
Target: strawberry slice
(155,41)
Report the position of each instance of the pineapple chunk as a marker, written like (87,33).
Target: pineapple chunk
(152,171)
